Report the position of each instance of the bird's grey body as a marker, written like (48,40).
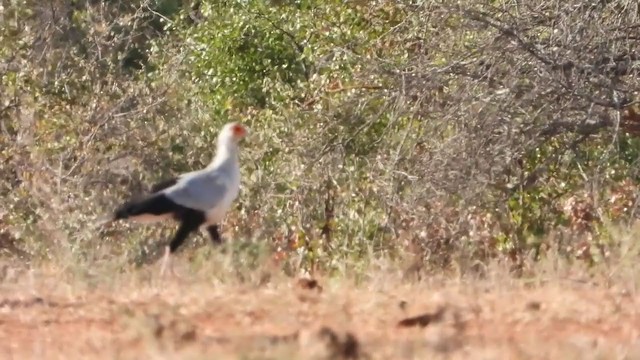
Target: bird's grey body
(211,190)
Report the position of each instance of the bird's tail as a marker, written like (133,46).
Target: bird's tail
(122,212)
(104,220)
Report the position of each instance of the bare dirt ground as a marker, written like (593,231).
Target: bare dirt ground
(52,317)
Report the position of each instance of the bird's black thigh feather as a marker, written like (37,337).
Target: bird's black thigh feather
(190,221)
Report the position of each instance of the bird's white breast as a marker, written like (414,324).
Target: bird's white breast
(216,214)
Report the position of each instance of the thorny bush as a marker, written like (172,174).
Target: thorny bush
(452,131)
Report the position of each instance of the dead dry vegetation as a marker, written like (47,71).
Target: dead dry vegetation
(560,312)
(460,178)
(458,132)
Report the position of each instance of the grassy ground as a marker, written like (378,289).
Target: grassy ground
(52,313)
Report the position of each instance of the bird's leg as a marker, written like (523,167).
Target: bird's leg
(216,239)
(214,234)
(165,261)
(187,226)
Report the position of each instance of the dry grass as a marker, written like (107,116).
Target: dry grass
(559,313)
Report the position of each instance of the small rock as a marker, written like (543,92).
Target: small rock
(423,320)
(533,305)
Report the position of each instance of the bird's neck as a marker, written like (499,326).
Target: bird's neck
(226,152)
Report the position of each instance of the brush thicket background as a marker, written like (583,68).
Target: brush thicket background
(448,133)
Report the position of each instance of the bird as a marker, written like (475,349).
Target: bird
(197,199)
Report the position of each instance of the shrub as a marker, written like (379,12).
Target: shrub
(453,131)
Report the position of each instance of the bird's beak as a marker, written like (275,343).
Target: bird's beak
(247,134)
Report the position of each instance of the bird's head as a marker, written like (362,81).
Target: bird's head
(233,133)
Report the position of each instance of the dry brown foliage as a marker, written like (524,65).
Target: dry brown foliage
(458,134)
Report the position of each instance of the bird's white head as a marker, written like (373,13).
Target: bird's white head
(232,133)
(229,138)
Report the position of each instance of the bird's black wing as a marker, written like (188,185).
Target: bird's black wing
(163,184)
(155,205)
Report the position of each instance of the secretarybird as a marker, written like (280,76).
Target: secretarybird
(196,199)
